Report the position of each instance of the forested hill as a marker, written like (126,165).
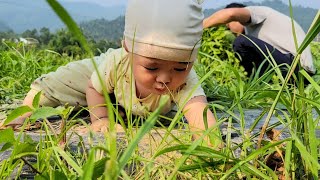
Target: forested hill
(20,15)
(113,30)
(97,21)
(103,29)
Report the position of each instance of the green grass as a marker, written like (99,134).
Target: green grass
(21,65)
(172,154)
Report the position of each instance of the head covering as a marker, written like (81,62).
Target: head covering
(164,29)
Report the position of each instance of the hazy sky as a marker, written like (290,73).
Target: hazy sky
(211,3)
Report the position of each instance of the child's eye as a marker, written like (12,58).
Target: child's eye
(180,69)
(151,68)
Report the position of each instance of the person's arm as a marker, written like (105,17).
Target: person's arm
(98,111)
(225,16)
(194,115)
(95,102)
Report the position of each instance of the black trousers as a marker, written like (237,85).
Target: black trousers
(249,48)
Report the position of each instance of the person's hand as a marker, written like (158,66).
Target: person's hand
(102,125)
(15,124)
(212,140)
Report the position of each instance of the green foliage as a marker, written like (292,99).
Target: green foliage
(19,67)
(102,29)
(216,54)
(62,42)
(315,50)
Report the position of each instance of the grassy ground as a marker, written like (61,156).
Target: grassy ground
(293,157)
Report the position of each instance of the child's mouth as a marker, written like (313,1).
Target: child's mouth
(160,90)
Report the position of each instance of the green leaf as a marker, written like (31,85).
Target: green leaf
(288,161)
(252,156)
(68,159)
(88,168)
(312,33)
(43,113)
(16,113)
(70,23)
(36,100)
(197,151)
(99,167)
(145,128)
(54,174)
(6,146)
(7,136)
(24,148)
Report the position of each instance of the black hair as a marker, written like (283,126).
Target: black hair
(235,5)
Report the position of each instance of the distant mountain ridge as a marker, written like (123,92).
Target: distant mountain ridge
(21,15)
(113,30)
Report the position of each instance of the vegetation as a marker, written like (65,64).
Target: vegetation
(21,15)
(62,42)
(101,29)
(294,156)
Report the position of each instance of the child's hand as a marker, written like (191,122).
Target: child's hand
(102,125)
(15,124)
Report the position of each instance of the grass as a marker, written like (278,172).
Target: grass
(20,65)
(172,154)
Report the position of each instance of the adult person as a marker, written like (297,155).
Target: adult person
(262,30)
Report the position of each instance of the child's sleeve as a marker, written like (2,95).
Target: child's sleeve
(191,89)
(107,69)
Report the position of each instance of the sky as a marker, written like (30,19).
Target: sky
(211,3)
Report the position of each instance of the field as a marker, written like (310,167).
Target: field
(285,148)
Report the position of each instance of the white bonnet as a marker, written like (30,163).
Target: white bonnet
(164,29)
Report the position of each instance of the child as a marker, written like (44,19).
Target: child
(161,40)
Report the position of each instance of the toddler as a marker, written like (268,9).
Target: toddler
(161,41)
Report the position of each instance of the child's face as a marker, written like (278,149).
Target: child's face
(158,76)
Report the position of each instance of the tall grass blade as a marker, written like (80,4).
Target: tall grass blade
(312,33)
(310,162)
(252,156)
(69,22)
(287,162)
(145,128)
(312,82)
(88,168)
(314,30)
(72,26)
(68,159)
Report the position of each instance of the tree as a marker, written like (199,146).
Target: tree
(30,34)
(45,36)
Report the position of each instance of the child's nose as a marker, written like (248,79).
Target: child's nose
(163,78)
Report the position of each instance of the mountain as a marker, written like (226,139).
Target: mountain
(103,29)
(4,27)
(113,29)
(20,15)
(208,4)
(30,14)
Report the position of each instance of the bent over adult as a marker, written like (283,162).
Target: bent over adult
(261,30)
